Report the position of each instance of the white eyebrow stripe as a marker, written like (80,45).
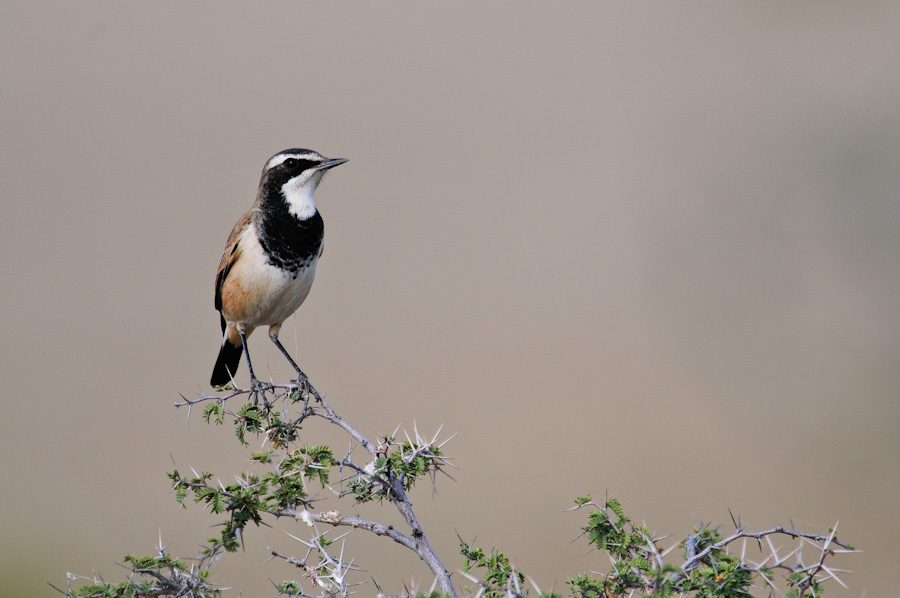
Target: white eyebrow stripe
(280,158)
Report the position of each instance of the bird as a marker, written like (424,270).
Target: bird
(270,258)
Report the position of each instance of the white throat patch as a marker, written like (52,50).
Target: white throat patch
(299,194)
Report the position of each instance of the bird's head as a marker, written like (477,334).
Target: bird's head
(295,174)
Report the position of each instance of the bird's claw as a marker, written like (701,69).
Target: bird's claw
(258,389)
(305,389)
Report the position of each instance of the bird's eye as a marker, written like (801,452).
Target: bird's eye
(291,163)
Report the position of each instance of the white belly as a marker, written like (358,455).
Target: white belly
(256,293)
(285,295)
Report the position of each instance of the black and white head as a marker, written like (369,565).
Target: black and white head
(294,174)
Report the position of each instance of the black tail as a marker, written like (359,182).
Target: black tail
(226,364)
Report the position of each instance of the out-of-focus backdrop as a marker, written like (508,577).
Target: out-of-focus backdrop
(638,248)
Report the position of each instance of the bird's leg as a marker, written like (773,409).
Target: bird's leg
(302,380)
(255,387)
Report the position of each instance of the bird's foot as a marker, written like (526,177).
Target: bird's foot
(303,385)
(258,390)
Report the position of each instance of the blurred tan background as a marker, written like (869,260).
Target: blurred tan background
(643,248)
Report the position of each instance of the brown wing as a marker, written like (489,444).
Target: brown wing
(232,253)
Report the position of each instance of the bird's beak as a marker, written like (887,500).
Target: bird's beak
(331,163)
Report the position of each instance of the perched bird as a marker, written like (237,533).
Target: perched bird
(270,258)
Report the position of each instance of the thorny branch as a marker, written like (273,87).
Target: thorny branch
(708,566)
(316,405)
(173,578)
(824,542)
(707,548)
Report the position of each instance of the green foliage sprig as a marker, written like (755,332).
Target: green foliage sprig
(640,567)
(150,576)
